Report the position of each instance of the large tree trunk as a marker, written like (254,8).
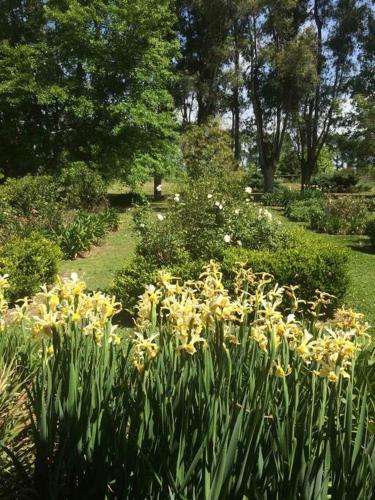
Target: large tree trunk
(306,174)
(269,178)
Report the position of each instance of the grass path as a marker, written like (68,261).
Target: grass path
(97,268)
(361,293)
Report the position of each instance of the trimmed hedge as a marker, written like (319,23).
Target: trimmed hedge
(132,279)
(311,264)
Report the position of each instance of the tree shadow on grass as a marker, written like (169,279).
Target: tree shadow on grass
(367,249)
(123,201)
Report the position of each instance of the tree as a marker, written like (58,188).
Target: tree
(280,60)
(205,30)
(362,131)
(207,152)
(92,84)
(335,25)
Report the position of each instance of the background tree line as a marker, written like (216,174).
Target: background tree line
(112,82)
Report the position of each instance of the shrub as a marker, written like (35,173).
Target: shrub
(82,186)
(204,223)
(341,181)
(370,229)
(131,280)
(110,219)
(201,226)
(9,222)
(290,196)
(311,264)
(161,238)
(30,262)
(343,215)
(34,204)
(85,230)
(305,210)
(346,215)
(29,193)
(275,199)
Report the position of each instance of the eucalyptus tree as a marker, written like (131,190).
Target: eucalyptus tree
(280,69)
(362,128)
(336,25)
(205,29)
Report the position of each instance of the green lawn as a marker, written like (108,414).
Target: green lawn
(100,264)
(361,292)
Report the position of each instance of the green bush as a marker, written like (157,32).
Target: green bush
(290,196)
(34,204)
(29,193)
(85,230)
(341,215)
(204,223)
(344,215)
(201,226)
(110,218)
(30,262)
(161,238)
(82,187)
(9,222)
(341,181)
(275,199)
(131,280)
(305,210)
(370,229)
(311,264)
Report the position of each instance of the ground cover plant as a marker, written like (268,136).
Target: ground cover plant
(175,409)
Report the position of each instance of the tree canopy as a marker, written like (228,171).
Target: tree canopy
(112,82)
(87,81)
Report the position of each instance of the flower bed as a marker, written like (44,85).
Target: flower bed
(212,395)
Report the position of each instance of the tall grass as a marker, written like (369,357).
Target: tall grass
(214,397)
